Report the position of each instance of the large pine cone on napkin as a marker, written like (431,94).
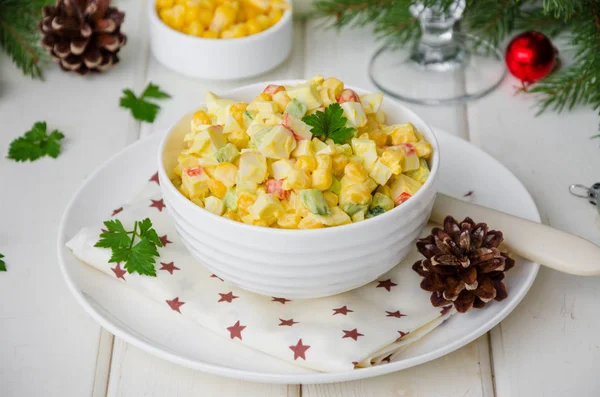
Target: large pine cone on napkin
(83,35)
(464,266)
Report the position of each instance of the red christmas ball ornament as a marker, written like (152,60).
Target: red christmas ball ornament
(530,56)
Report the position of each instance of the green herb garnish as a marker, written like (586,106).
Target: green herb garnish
(141,109)
(138,258)
(330,124)
(36,143)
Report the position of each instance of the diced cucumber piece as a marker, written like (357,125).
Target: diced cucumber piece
(230,200)
(227,153)
(336,186)
(314,200)
(382,201)
(420,174)
(374,212)
(295,108)
(352,209)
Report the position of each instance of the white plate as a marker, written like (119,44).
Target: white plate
(464,168)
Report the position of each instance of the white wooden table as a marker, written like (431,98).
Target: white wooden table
(49,347)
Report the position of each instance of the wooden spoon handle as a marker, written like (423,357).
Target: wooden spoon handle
(540,243)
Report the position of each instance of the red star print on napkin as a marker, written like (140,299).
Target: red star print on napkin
(154,178)
(289,322)
(396,314)
(215,276)
(118,271)
(299,350)
(175,304)
(387,284)
(235,331)
(116,211)
(342,310)
(280,300)
(170,267)
(387,359)
(401,335)
(164,240)
(228,297)
(354,334)
(158,204)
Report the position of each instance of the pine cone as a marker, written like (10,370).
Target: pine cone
(464,266)
(83,35)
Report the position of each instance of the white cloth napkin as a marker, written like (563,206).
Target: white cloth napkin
(368,326)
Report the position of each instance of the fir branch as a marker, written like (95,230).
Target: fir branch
(19,36)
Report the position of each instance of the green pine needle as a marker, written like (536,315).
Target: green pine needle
(2,264)
(494,21)
(19,35)
(139,257)
(141,109)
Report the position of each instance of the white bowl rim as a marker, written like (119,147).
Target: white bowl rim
(153,14)
(406,206)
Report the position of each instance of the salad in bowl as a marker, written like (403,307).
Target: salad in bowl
(304,156)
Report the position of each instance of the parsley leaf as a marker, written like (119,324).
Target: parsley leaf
(141,109)
(138,258)
(36,143)
(2,264)
(330,124)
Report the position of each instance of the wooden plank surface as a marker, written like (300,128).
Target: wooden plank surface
(50,347)
(549,345)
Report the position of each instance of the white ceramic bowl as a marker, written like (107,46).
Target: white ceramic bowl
(297,263)
(219,59)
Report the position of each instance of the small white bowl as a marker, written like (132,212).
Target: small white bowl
(297,263)
(219,59)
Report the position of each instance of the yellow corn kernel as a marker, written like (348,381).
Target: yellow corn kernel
(232,215)
(264,21)
(298,180)
(357,194)
(289,221)
(253,26)
(423,149)
(308,163)
(191,14)
(317,79)
(217,188)
(378,136)
(321,179)
(167,16)
(178,17)
(198,201)
(225,173)
(165,3)
(227,34)
(355,172)
(241,16)
(275,16)
(334,87)
(331,199)
(200,117)
(237,111)
(310,222)
(239,138)
(210,35)
(393,159)
(263,96)
(205,16)
(385,190)
(180,2)
(194,29)
(324,162)
(224,18)
(244,201)
(239,30)
(338,162)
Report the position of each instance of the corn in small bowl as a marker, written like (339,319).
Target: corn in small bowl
(220,39)
(298,263)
